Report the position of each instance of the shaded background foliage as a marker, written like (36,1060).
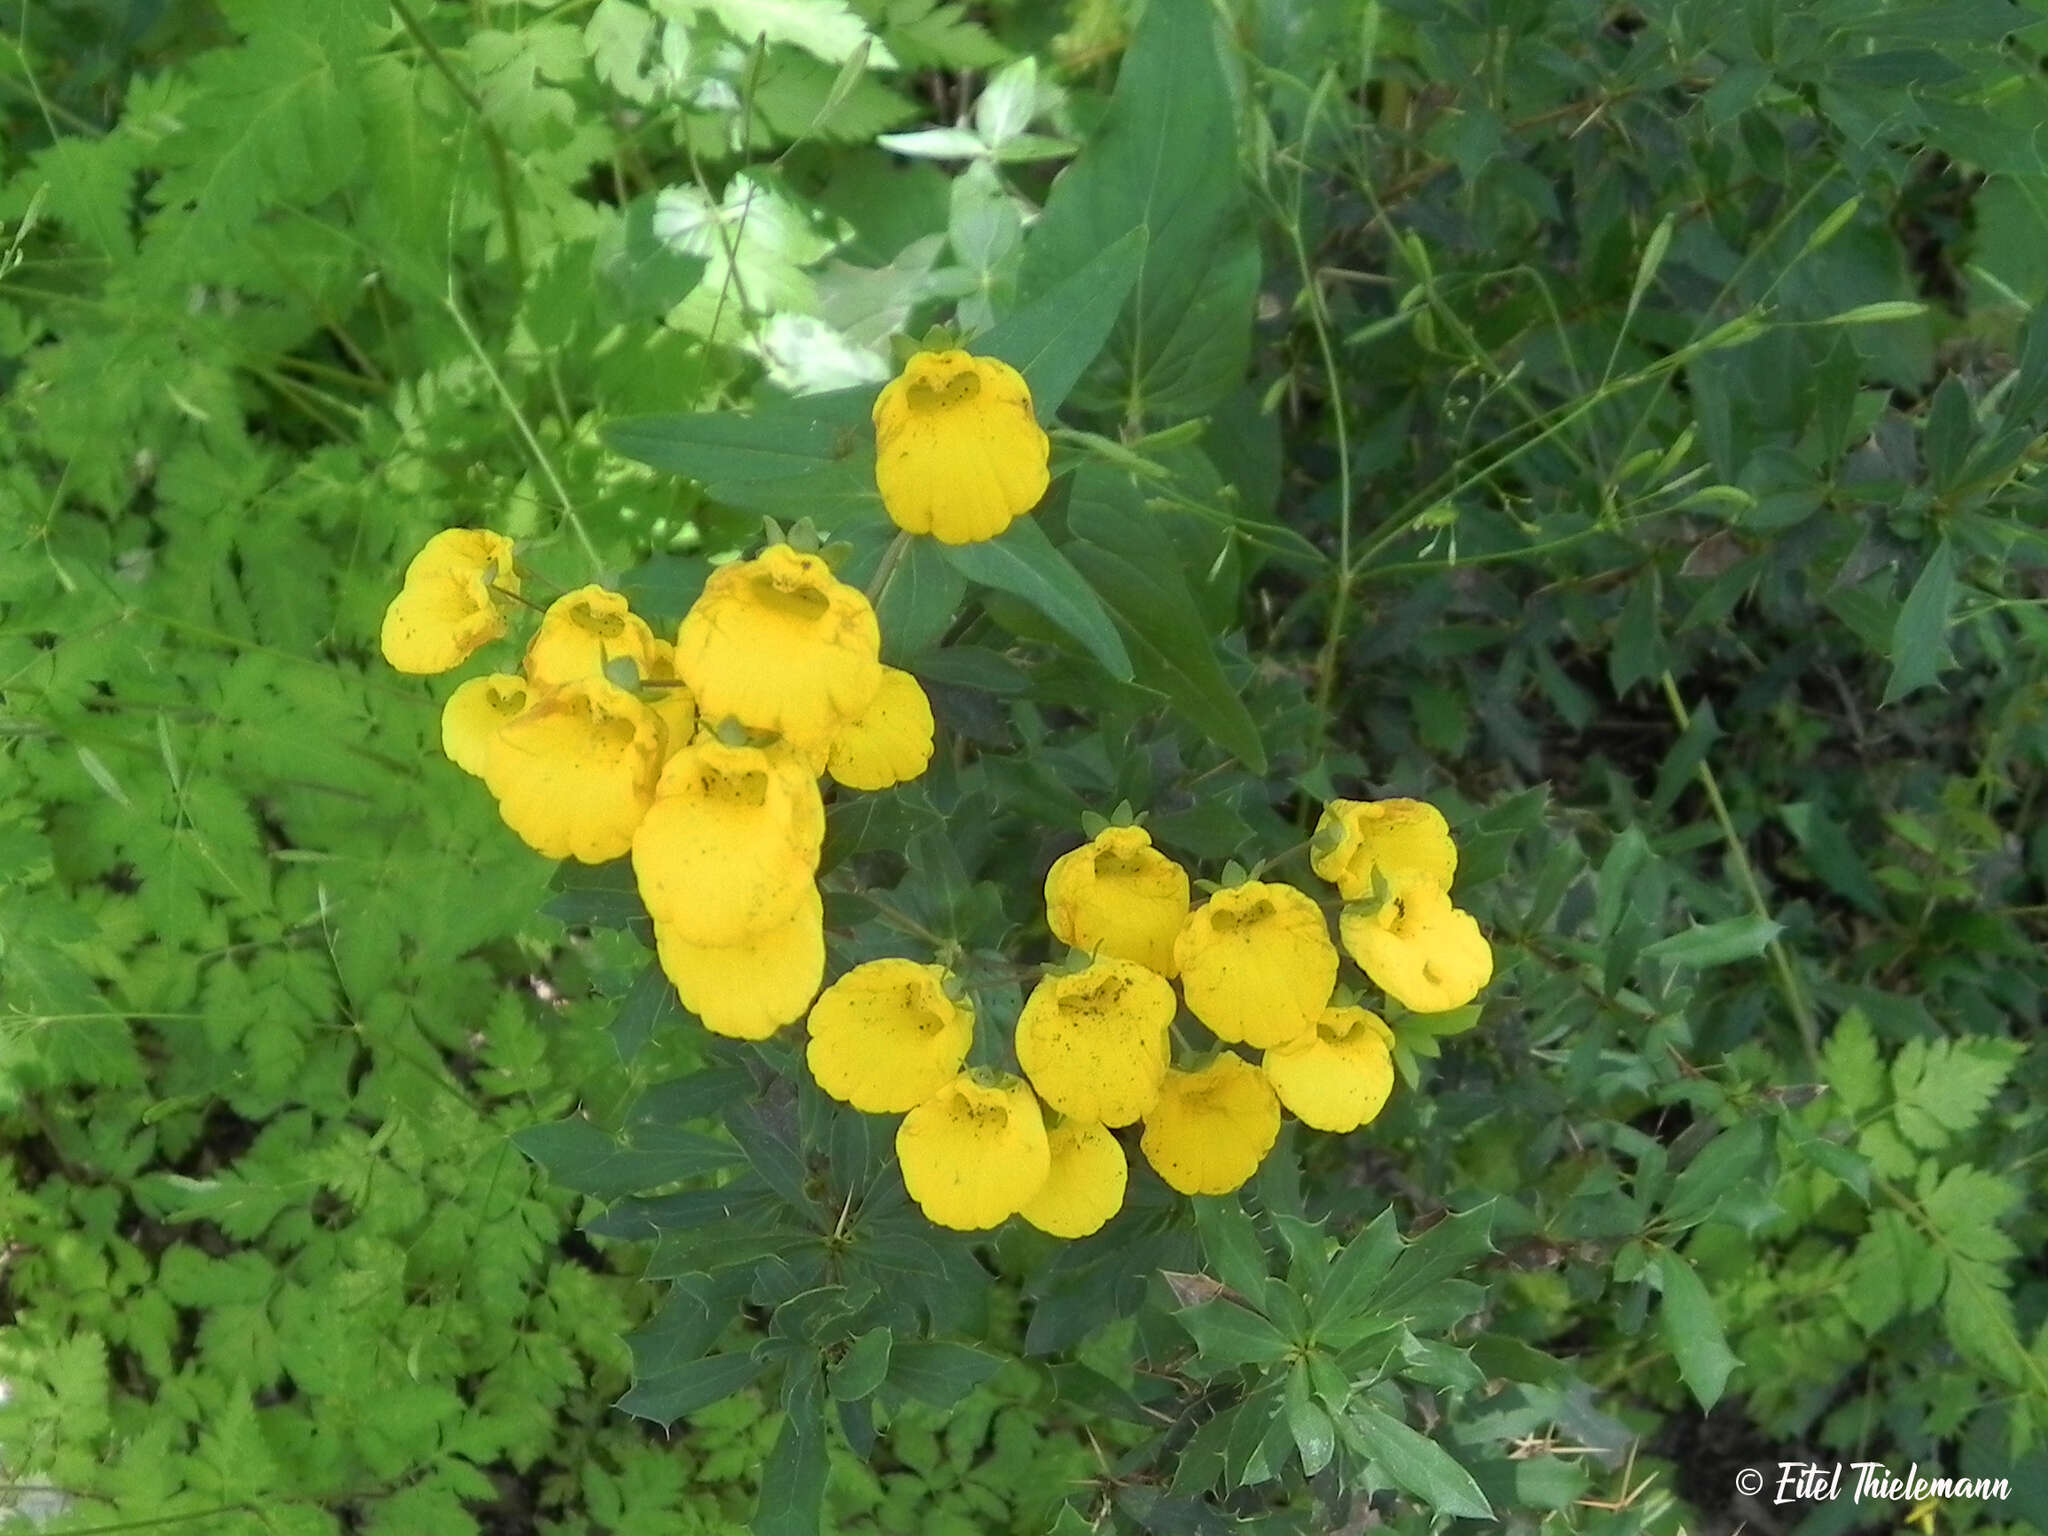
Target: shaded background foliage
(1636,449)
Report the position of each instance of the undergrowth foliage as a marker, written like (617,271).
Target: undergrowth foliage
(1620,429)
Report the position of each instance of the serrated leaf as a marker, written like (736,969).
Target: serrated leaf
(1227,1335)
(1416,1463)
(693,1385)
(1711,944)
(940,1372)
(1941,1088)
(1693,1330)
(1919,636)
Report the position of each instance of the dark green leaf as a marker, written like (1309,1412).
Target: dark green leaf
(861,1369)
(1438,1254)
(1053,339)
(938,1372)
(1227,1335)
(793,1482)
(1919,637)
(1711,944)
(1359,1268)
(1231,1245)
(1692,1330)
(683,1389)
(1023,563)
(579,1156)
(649,1007)
(919,598)
(1416,1463)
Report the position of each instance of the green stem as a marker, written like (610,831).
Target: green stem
(501,162)
(1788,978)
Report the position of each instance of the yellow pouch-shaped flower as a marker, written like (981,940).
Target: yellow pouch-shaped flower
(1424,953)
(1337,1078)
(974,1152)
(1119,896)
(449,608)
(1212,1128)
(581,632)
(476,712)
(958,453)
(729,848)
(1084,1186)
(1257,964)
(780,644)
(891,742)
(747,991)
(574,773)
(1094,1043)
(1405,840)
(885,1036)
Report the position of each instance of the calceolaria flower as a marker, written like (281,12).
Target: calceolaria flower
(891,742)
(747,991)
(1084,1186)
(1119,896)
(958,453)
(1256,963)
(574,772)
(477,711)
(780,644)
(974,1152)
(581,633)
(1094,1043)
(886,1036)
(450,606)
(729,848)
(1336,1078)
(1405,841)
(1424,953)
(1212,1128)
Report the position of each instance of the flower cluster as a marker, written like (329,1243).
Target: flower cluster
(1095,1040)
(700,757)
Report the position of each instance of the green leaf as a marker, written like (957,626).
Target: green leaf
(1918,637)
(1711,944)
(579,1156)
(1416,1463)
(1439,1253)
(939,1372)
(811,457)
(1164,159)
(1942,1087)
(1134,568)
(793,1482)
(1053,339)
(1228,1335)
(860,1370)
(684,1389)
(1231,1245)
(1734,1155)
(1024,563)
(1692,1330)
(1851,1063)
(1315,1437)
(650,1007)
(1358,1269)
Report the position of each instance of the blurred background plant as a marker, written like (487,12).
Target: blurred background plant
(1619,424)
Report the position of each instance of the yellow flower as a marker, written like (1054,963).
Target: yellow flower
(749,990)
(779,644)
(574,772)
(673,704)
(1338,1078)
(1424,953)
(1085,1185)
(1257,964)
(1093,1043)
(958,454)
(730,846)
(583,630)
(891,742)
(974,1152)
(474,714)
(1405,840)
(1212,1128)
(1120,896)
(448,608)
(885,1036)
